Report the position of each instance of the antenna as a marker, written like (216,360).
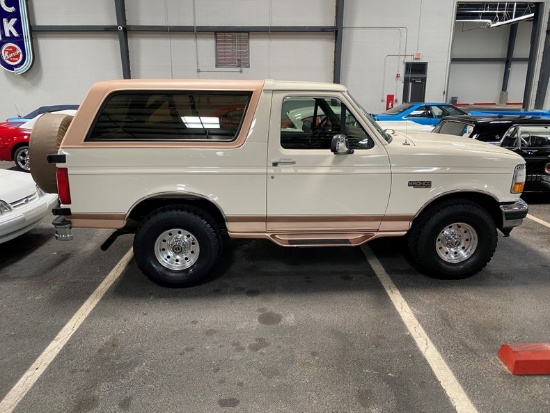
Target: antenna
(17,111)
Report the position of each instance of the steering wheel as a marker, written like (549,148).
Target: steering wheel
(324,124)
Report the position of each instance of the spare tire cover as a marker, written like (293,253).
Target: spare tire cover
(46,136)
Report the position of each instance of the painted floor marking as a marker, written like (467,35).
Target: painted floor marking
(31,376)
(540,221)
(448,381)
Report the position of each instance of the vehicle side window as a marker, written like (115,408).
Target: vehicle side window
(509,139)
(421,112)
(451,111)
(437,112)
(534,136)
(311,123)
(170,116)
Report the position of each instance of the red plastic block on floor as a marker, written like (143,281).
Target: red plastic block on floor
(526,358)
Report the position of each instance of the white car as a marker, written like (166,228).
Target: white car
(22,204)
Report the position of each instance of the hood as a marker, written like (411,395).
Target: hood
(439,142)
(15,185)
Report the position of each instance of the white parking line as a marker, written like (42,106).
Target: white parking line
(34,372)
(540,221)
(446,378)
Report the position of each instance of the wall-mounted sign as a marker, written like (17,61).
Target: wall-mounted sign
(15,36)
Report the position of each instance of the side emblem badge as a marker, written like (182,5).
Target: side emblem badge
(420,184)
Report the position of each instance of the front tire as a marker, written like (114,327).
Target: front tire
(177,247)
(21,158)
(452,240)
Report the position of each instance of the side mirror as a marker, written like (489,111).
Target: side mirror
(340,145)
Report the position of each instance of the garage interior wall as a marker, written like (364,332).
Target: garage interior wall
(481,82)
(284,56)
(376,45)
(65,64)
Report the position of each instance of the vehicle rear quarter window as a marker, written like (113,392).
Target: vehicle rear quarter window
(452,128)
(170,116)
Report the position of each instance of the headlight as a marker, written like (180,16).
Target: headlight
(4,207)
(518,181)
(39,191)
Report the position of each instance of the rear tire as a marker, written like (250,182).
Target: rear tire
(46,136)
(21,158)
(177,247)
(452,240)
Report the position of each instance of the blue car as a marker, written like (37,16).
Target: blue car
(421,112)
(40,111)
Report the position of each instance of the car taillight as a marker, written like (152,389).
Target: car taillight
(63,189)
(547,168)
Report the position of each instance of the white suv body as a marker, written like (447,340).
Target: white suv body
(228,153)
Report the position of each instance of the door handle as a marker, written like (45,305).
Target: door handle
(283,162)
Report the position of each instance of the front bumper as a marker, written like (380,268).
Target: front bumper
(513,214)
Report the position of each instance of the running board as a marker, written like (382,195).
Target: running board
(320,240)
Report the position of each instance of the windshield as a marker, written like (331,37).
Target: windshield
(397,109)
(371,120)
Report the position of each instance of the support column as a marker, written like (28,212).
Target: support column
(120,7)
(544,75)
(338,40)
(508,64)
(535,34)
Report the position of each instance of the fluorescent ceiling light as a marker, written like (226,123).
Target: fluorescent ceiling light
(514,20)
(201,122)
(477,21)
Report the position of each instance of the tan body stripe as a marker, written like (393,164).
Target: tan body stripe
(244,226)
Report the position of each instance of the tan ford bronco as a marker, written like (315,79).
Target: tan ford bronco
(181,163)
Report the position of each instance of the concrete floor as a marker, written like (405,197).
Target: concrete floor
(279,330)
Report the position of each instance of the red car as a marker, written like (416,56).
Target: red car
(16,132)
(14,144)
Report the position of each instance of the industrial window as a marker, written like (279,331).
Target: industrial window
(232,50)
(170,116)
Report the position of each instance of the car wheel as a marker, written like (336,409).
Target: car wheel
(21,158)
(46,136)
(177,247)
(452,240)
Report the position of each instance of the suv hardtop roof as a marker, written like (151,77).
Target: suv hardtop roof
(213,84)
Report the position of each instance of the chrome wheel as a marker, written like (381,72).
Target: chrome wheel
(177,249)
(456,242)
(22,158)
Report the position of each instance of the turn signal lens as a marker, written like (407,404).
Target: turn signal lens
(518,187)
(518,181)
